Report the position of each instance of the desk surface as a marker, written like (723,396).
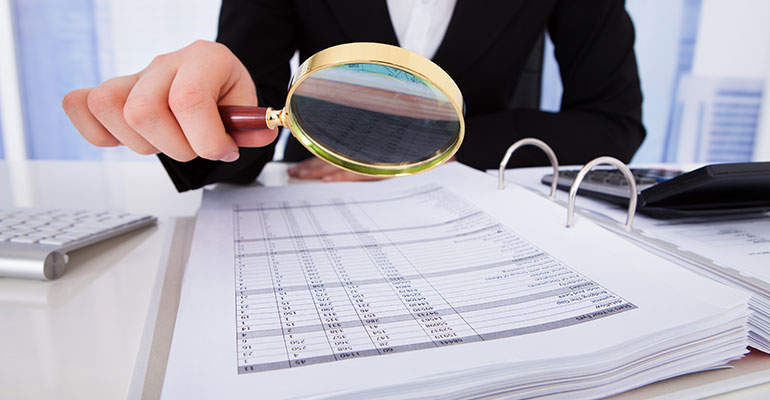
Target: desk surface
(78,337)
(83,336)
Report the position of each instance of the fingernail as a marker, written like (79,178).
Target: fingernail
(230,157)
(303,172)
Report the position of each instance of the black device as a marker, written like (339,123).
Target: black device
(715,189)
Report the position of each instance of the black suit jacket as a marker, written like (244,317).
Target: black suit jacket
(484,50)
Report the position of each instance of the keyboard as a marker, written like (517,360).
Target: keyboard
(34,242)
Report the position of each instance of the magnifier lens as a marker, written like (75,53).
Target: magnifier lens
(373,114)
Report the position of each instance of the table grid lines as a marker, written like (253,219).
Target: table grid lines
(346,218)
(317,228)
(420,274)
(291,223)
(345,287)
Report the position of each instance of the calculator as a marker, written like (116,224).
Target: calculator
(716,189)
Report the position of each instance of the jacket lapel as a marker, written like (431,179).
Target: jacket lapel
(364,20)
(473,27)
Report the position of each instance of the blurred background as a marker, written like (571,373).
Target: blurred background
(704,66)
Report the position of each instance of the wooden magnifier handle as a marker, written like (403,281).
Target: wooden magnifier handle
(244,118)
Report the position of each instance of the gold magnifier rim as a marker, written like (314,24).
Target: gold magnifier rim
(386,55)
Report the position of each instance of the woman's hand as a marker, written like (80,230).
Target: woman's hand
(316,168)
(171,106)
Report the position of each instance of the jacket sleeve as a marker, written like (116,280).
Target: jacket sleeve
(261,35)
(601,104)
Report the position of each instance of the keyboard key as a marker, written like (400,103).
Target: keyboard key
(59,225)
(55,242)
(32,224)
(70,237)
(24,239)
(11,222)
(647,181)
(92,225)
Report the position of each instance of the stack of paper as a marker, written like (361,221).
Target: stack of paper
(436,285)
(734,250)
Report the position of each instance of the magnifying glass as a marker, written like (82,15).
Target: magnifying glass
(370,108)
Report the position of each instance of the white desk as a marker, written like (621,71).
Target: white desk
(83,336)
(78,337)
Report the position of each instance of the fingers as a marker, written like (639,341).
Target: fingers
(312,168)
(76,107)
(106,103)
(171,106)
(257,138)
(195,92)
(316,168)
(240,90)
(147,111)
(192,97)
(347,176)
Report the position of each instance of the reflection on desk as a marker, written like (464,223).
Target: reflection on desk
(53,294)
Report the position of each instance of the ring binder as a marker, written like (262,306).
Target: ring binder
(531,142)
(579,179)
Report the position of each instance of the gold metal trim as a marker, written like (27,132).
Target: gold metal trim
(273,118)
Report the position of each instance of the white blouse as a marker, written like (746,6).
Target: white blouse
(420,25)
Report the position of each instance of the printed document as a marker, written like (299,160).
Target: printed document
(424,285)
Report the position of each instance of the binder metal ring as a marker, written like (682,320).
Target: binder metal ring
(532,142)
(579,179)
